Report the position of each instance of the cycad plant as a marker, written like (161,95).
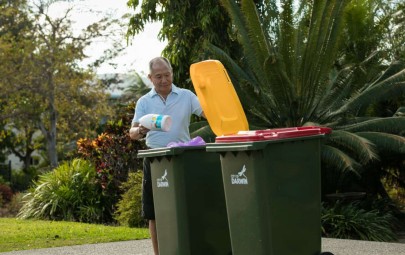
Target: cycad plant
(69,192)
(288,77)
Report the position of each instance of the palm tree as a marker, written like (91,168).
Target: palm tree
(287,77)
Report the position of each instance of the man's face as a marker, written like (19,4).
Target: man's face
(161,78)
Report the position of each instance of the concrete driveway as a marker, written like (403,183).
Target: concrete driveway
(143,247)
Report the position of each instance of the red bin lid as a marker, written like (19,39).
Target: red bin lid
(273,134)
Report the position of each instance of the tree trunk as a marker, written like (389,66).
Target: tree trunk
(50,145)
(51,136)
(51,148)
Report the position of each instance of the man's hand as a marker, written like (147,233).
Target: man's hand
(137,131)
(143,130)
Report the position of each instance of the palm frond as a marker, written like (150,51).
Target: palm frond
(237,73)
(244,37)
(338,89)
(327,23)
(364,149)
(301,35)
(287,37)
(338,123)
(260,54)
(391,70)
(392,125)
(260,106)
(337,159)
(385,143)
(279,89)
(389,88)
(259,42)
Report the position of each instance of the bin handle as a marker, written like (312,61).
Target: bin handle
(160,152)
(237,147)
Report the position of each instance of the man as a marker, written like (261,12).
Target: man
(166,99)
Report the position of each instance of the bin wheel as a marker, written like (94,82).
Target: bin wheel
(326,253)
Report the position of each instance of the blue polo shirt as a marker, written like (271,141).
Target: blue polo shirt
(180,105)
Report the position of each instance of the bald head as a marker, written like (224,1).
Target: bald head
(159,61)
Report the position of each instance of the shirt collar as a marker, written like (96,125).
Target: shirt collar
(174,90)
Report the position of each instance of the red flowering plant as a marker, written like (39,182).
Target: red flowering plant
(98,151)
(113,153)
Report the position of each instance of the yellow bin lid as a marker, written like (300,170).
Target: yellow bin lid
(218,98)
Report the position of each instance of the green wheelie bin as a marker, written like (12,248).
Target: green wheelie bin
(189,201)
(272,182)
(271,177)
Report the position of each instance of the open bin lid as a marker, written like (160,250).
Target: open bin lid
(273,134)
(224,111)
(218,97)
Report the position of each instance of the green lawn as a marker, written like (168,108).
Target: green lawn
(32,234)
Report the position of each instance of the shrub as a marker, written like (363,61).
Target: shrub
(6,193)
(113,153)
(11,209)
(69,192)
(350,221)
(129,208)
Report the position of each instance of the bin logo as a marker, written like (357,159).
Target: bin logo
(162,181)
(240,178)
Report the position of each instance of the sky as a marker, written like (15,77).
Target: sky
(136,56)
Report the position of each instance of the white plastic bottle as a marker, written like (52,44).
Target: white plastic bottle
(156,122)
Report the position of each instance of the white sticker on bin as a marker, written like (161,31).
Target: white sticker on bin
(240,177)
(163,182)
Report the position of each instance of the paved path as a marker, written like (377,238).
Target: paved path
(143,247)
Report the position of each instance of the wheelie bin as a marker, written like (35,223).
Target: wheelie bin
(189,201)
(273,191)
(271,177)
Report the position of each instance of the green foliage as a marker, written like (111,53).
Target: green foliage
(42,87)
(70,192)
(290,77)
(129,208)
(350,221)
(363,32)
(187,26)
(395,190)
(201,128)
